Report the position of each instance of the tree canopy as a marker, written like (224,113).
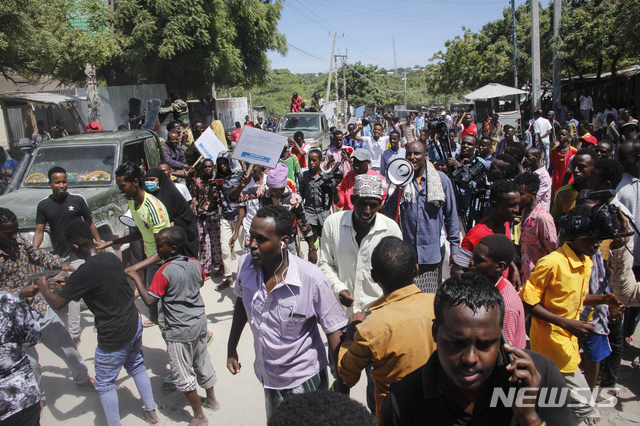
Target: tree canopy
(191,44)
(365,83)
(37,40)
(595,36)
(186,44)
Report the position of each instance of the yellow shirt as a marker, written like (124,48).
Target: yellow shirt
(560,284)
(150,218)
(395,339)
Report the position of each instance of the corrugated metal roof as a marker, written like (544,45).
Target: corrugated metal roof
(40,97)
(626,72)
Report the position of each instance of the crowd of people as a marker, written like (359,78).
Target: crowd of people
(530,229)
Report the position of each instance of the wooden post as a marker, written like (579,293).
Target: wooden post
(50,119)
(7,125)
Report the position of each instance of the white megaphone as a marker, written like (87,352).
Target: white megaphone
(127,219)
(400,172)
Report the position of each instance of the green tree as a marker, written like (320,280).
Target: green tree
(36,39)
(192,44)
(275,93)
(595,35)
(477,58)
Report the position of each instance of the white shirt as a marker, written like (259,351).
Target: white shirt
(610,111)
(252,207)
(376,148)
(184,191)
(629,195)
(347,266)
(586,103)
(599,121)
(540,127)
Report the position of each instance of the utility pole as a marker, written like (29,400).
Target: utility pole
(515,53)
(344,74)
(333,50)
(335,64)
(535,55)
(395,65)
(557,63)
(405,90)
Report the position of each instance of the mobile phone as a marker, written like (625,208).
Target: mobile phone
(218,182)
(508,356)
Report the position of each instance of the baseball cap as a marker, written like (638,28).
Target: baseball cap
(362,154)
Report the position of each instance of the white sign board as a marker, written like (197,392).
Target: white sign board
(230,110)
(256,146)
(209,145)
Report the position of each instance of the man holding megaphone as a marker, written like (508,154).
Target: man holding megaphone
(424,204)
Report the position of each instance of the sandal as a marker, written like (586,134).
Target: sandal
(147,323)
(149,418)
(595,419)
(89,385)
(168,386)
(636,363)
(224,284)
(203,402)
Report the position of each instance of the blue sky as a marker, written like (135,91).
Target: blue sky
(419,27)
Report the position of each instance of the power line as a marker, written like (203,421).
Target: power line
(305,52)
(373,83)
(330,28)
(354,43)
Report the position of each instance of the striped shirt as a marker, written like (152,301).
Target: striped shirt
(514,327)
(150,218)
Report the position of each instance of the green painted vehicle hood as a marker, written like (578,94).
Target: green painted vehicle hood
(105,202)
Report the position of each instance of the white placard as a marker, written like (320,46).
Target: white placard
(209,145)
(256,146)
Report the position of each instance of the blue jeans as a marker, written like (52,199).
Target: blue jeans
(108,366)
(545,151)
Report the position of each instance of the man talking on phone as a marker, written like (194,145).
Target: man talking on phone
(460,381)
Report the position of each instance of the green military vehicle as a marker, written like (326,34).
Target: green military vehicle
(314,125)
(90,160)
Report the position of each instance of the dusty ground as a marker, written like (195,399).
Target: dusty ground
(241,397)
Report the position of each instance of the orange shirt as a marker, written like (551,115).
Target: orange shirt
(386,339)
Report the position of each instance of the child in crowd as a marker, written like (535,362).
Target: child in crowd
(102,284)
(538,236)
(317,195)
(554,295)
(178,284)
(491,257)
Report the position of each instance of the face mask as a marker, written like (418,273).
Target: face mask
(151,186)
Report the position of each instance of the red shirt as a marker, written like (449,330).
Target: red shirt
(345,189)
(236,135)
(301,156)
(472,238)
(560,163)
(472,129)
